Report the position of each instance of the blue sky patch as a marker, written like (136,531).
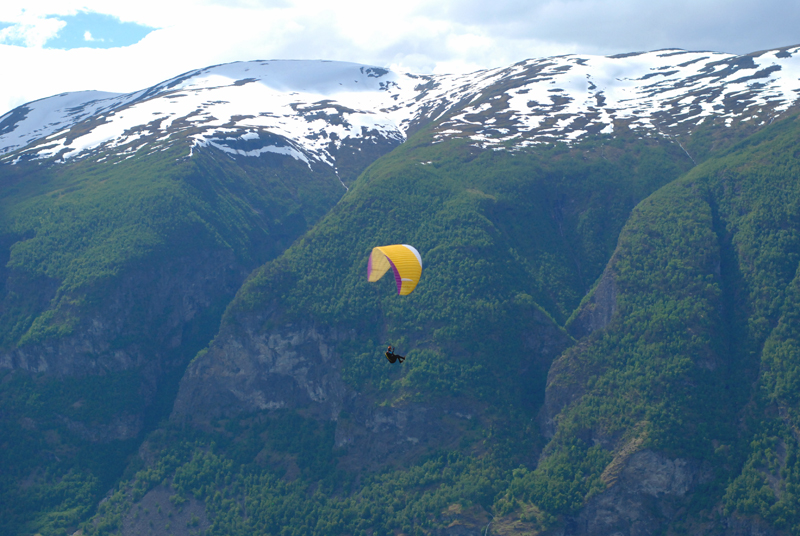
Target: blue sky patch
(95,30)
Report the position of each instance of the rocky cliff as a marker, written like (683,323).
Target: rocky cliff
(646,490)
(295,366)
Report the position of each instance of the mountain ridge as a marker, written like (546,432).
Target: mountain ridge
(668,93)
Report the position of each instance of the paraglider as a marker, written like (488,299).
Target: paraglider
(392,357)
(406,264)
(404,260)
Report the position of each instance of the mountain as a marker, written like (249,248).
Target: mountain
(308,110)
(603,339)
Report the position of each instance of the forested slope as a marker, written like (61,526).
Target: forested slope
(691,378)
(511,244)
(603,340)
(114,275)
(671,410)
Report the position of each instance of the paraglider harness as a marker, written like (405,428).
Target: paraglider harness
(392,357)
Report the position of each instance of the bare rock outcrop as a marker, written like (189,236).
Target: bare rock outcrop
(296,366)
(251,370)
(596,313)
(648,492)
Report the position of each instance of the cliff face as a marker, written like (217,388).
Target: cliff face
(295,366)
(599,309)
(299,367)
(258,364)
(144,316)
(377,437)
(646,490)
(566,378)
(147,327)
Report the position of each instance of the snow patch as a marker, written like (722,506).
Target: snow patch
(308,109)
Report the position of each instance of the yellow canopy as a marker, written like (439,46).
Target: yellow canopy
(405,261)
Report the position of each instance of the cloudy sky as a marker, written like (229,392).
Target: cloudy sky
(52,46)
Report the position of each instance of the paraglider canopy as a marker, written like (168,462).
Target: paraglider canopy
(405,262)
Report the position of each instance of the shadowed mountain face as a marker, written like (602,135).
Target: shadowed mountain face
(602,340)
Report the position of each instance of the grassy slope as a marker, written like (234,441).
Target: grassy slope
(75,236)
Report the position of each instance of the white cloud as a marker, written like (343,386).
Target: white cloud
(30,31)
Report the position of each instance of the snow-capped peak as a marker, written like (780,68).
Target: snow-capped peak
(307,109)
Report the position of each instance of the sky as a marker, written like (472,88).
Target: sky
(49,47)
